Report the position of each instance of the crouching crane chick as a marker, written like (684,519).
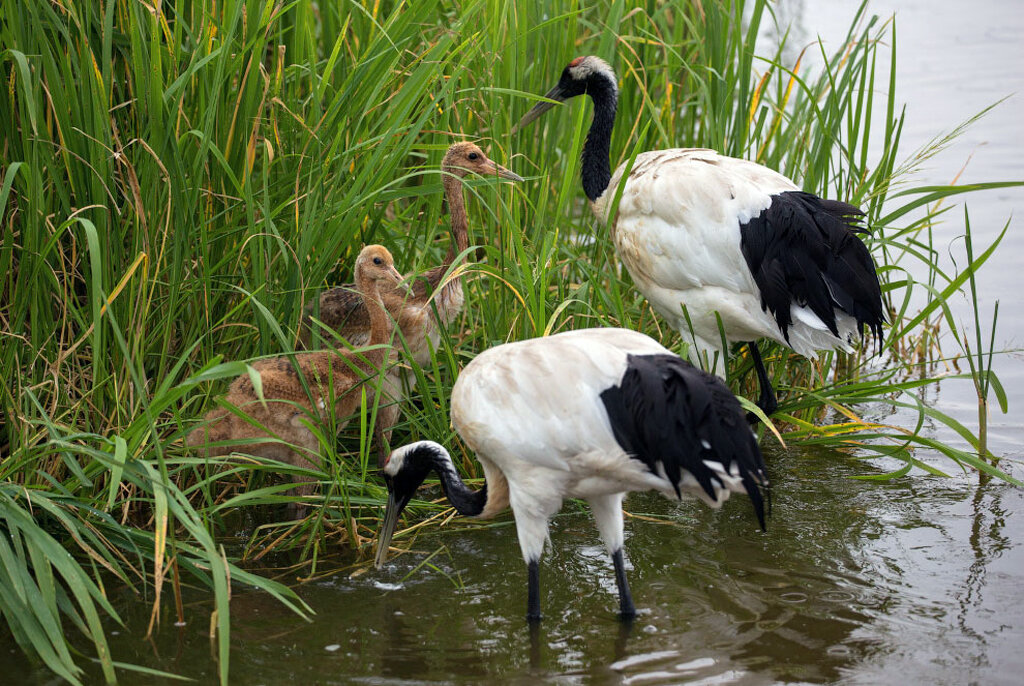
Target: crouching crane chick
(335,376)
(590,414)
(342,311)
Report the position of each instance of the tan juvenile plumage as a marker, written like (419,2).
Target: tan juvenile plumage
(333,376)
(342,310)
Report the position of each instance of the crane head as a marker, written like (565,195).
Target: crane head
(580,75)
(405,469)
(464,158)
(375,264)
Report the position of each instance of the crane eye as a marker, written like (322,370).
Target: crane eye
(378,261)
(473,156)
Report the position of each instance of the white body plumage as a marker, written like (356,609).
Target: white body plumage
(739,246)
(677,232)
(533,411)
(590,414)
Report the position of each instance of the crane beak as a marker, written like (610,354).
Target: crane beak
(402,283)
(388,525)
(555,96)
(505,173)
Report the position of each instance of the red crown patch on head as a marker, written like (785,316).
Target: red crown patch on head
(575,61)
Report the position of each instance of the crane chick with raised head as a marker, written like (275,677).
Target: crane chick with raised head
(590,414)
(701,233)
(342,311)
(333,377)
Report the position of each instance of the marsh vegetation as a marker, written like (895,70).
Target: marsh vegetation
(181,179)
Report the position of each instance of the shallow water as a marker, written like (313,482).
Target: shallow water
(854,582)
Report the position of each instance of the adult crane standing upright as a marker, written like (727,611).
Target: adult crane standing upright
(592,414)
(701,233)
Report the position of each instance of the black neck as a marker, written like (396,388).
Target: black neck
(463,499)
(596,170)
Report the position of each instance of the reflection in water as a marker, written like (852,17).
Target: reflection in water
(782,604)
(987,541)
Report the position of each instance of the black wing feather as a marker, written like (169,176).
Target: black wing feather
(804,249)
(666,411)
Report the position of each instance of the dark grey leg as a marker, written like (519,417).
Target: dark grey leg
(627,610)
(767,402)
(533,597)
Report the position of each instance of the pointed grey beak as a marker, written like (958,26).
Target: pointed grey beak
(387,529)
(404,283)
(555,96)
(506,173)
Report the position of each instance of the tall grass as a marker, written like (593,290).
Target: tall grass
(180,178)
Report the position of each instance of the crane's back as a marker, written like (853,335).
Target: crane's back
(539,399)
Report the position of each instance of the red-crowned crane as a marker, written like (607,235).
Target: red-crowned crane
(715,234)
(342,310)
(294,394)
(591,414)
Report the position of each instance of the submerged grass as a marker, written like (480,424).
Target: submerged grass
(181,178)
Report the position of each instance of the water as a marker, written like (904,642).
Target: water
(855,582)
(953,62)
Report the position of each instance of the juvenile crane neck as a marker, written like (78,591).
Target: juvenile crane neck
(380,323)
(459,220)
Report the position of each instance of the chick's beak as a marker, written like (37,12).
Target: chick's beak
(401,282)
(502,172)
(405,285)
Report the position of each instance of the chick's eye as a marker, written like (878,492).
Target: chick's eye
(378,261)
(473,156)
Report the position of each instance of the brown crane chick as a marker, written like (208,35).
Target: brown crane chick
(344,312)
(333,376)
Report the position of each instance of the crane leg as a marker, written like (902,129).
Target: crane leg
(533,597)
(767,402)
(607,511)
(627,610)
